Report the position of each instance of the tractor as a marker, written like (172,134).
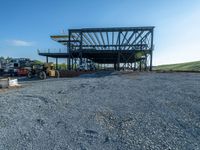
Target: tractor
(42,71)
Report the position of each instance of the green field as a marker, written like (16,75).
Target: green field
(190,66)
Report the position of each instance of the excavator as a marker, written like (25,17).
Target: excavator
(42,71)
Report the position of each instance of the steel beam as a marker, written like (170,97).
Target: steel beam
(97,38)
(116,29)
(102,39)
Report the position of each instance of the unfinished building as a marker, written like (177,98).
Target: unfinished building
(121,48)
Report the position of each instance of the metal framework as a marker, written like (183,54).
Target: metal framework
(125,48)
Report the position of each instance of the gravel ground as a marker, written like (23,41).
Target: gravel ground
(103,111)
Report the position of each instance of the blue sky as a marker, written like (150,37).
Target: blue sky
(25,25)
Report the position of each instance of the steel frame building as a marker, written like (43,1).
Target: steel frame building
(125,48)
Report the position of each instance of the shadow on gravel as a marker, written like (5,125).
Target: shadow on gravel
(99,74)
(93,75)
(21,79)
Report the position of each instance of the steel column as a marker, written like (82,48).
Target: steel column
(56,63)
(69,51)
(151,54)
(47,59)
(81,49)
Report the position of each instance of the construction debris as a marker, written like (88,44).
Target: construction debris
(14,66)
(13,82)
(8,82)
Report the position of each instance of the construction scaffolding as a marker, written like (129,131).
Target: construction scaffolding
(123,48)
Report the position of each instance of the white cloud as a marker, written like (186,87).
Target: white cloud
(20,43)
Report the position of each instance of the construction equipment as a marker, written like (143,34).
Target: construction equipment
(43,71)
(22,71)
(14,66)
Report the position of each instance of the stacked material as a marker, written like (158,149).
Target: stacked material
(4,83)
(7,82)
(13,83)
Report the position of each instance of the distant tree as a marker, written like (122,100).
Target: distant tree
(38,62)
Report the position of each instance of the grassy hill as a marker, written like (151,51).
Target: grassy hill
(190,66)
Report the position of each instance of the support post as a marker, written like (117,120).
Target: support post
(72,64)
(119,51)
(81,48)
(115,66)
(69,51)
(152,48)
(68,63)
(118,62)
(47,59)
(75,64)
(145,62)
(134,66)
(56,63)
(151,59)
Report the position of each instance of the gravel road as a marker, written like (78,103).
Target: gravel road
(107,110)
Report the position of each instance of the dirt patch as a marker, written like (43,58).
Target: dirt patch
(11,88)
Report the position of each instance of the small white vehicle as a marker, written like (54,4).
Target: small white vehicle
(85,67)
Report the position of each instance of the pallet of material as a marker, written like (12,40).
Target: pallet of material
(4,83)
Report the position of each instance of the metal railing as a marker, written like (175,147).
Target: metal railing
(60,50)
